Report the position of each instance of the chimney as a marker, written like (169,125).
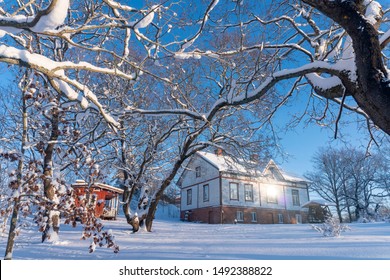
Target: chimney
(254,158)
(219,152)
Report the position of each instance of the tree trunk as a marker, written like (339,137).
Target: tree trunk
(131,220)
(156,199)
(12,234)
(15,211)
(338,209)
(49,189)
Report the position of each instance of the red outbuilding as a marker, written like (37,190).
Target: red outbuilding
(103,196)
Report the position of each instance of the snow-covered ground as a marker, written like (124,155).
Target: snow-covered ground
(172,239)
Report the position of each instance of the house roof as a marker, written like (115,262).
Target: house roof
(226,163)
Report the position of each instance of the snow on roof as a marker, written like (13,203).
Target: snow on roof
(83,184)
(225,163)
(292,177)
(228,164)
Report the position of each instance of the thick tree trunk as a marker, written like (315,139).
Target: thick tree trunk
(156,199)
(373,92)
(131,220)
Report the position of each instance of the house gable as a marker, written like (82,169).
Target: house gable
(272,171)
(189,175)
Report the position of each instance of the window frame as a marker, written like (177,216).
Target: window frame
(240,216)
(236,196)
(198,171)
(254,217)
(246,192)
(272,198)
(206,194)
(295,197)
(189,196)
(280,218)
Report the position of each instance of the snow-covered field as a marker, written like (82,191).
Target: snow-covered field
(175,240)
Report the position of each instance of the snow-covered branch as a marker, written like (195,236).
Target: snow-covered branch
(48,19)
(55,71)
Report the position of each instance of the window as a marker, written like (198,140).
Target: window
(248,192)
(298,218)
(206,192)
(197,171)
(272,195)
(280,218)
(254,217)
(233,191)
(295,197)
(189,197)
(240,216)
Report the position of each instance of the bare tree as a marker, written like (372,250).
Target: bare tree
(351,180)
(367,182)
(327,180)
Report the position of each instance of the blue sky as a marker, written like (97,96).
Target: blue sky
(300,143)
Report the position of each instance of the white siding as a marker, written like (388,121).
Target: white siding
(241,192)
(303,196)
(207,171)
(209,175)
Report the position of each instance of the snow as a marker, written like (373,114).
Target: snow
(223,163)
(173,239)
(373,11)
(55,18)
(52,20)
(143,23)
(183,55)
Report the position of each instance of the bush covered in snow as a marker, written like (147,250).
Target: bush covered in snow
(331,227)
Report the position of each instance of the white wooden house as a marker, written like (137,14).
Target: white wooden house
(217,189)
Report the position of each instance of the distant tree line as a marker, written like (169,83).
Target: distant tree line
(356,183)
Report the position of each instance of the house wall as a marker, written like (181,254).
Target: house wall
(226,181)
(209,176)
(261,190)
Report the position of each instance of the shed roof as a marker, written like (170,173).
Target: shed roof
(83,184)
(319,202)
